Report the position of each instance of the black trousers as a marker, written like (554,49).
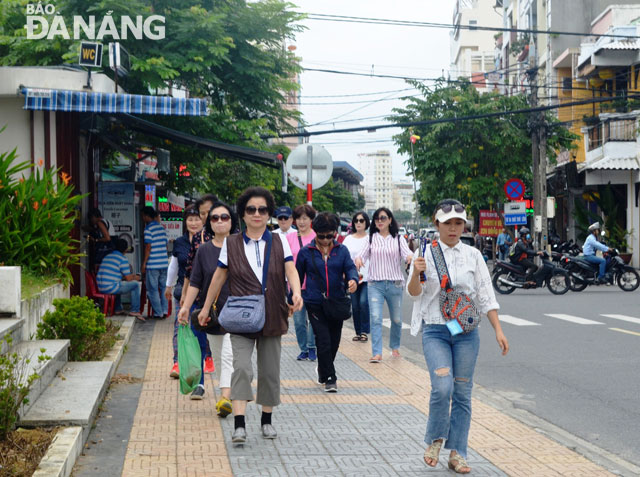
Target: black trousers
(531,267)
(328,333)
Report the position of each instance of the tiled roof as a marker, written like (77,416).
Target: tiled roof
(622,45)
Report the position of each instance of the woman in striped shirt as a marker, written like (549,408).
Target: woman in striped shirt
(386,254)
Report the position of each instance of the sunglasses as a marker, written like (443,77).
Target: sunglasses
(359,221)
(446,208)
(222,218)
(252,209)
(325,236)
(382,218)
(283,217)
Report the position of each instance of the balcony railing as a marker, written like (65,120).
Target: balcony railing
(612,130)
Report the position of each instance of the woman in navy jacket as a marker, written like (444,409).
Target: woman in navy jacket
(328,267)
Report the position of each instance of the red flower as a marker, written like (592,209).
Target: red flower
(35,205)
(44,201)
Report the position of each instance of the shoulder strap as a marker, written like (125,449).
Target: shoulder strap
(267,256)
(313,262)
(300,240)
(441,265)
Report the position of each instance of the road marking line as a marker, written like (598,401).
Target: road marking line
(517,321)
(625,331)
(574,319)
(386,322)
(624,318)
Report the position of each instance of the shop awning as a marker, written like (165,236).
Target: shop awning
(228,150)
(92,102)
(615,163)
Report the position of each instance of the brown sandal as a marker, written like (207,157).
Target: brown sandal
(433,452)
(356,338)
(457,463)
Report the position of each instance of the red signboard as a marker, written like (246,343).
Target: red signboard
(490,223)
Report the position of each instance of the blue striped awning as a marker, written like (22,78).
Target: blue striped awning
(91,102)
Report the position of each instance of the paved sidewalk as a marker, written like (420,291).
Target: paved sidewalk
(373,426)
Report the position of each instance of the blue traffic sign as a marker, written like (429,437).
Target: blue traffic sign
(515,219)
(514,189)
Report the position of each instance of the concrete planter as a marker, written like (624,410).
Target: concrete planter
(33,309)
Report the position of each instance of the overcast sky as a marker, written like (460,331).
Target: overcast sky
(389,50)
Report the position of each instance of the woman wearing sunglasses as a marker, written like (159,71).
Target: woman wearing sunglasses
(327,267)
(385,252)
(241,261)
(450,358)
(355,242)
(221,222)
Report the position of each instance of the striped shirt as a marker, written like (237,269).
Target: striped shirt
(386,257)
(155,235)
(111,272)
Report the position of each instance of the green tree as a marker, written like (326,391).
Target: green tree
(229,51)
(470,160)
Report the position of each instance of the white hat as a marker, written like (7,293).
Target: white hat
(442,216)
(594,226)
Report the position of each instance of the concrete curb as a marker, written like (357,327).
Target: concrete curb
(62,453)
(67,444)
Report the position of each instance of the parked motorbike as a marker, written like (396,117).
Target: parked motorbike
(583,273)
(508,276)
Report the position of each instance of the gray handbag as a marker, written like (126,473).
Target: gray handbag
(246,314)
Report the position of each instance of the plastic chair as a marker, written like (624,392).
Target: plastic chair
(95,295)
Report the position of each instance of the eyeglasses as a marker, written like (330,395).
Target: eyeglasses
(359,221)
(446,208)
(221,217)
(382,218)
(283,217)
(325,236)
(252,209)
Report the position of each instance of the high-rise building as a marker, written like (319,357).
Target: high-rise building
(377,171)
(473,51)
(403,196)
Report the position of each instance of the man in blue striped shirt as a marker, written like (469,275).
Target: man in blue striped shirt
(155,262)
(115,277)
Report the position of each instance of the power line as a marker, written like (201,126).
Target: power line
(382,21)
(454,119)
(356,94)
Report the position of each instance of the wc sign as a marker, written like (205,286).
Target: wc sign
(90,54)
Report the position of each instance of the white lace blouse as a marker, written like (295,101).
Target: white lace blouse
(467,269)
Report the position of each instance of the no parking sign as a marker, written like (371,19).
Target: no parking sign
(514,189)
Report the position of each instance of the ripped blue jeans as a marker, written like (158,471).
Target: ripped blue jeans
(451,361)
(391,291)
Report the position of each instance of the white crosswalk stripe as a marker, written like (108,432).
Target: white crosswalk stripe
(386,322)
(624,318)
(517,321)
(573,319)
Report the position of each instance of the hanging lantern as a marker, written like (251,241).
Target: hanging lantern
(606,73)
(595,82)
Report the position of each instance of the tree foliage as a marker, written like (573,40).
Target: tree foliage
(228,51)
(470,160)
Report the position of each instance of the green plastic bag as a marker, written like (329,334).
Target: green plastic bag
(189,359)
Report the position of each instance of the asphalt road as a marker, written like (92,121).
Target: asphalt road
(577,370)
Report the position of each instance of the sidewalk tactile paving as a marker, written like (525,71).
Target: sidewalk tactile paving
(373,426)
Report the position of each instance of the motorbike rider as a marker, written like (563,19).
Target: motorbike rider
(589,250)
(523,253)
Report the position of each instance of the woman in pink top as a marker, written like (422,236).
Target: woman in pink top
(385,253)
(303,215)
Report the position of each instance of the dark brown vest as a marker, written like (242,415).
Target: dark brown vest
(242,282)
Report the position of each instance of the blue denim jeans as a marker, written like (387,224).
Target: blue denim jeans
(451,361)
(133,288)
(360,308)
(155,278)
(601,262)
(304,331)
(378,292)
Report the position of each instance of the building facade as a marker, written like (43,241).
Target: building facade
(377,170)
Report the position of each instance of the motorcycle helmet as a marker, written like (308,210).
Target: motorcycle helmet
(523,231)
(594,226)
